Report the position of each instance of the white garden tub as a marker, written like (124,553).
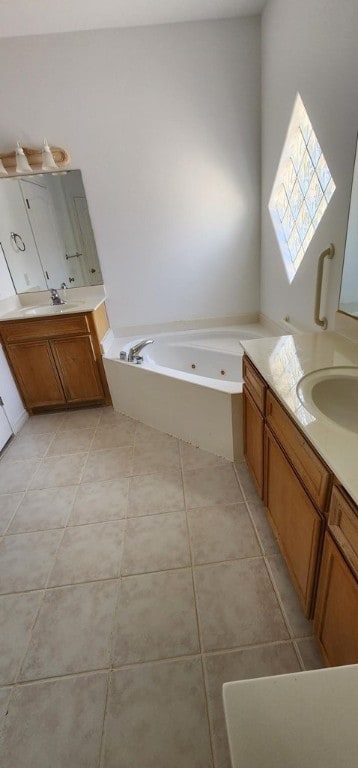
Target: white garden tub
(189,385)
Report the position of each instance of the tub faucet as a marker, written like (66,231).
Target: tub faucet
(134,351)
(55,298)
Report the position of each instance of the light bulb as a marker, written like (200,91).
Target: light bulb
(22,165)
(3,171)
(48,160)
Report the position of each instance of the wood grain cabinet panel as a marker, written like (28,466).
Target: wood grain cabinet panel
(57,360)
(35,370)
(253,439)
(311,470)
(336,616)
(254,384)
(76,364)
(295,521)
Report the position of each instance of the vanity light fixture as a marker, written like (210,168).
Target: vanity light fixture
(28,160)
(48,160)
(22,165)
(3,171)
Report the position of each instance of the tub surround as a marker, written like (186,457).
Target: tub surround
(282,362)
(204,410)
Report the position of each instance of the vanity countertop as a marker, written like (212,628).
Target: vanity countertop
(38,305)
(282,362)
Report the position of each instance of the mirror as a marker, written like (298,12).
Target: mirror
(348,301)
(45,232)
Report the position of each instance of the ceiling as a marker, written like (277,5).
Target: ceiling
(38,17)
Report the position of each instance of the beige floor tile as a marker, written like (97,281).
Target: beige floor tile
(55,724)
(155,543)
(207,486)
(44,509)
(310,654)
(26,560)
(17,616)
(195,458)
(88,553)
(263,527)
(154,494)
(16,475)
(100,502)
(156,717)
(144,433)
(112,418)
(221,668)
(247,483)
(71,441)
(28,446)
(59,470)
(237,605)
(156,618)
(5,694)
(300,626)
(72,632)
(43,423)
(107,465)
(86,418)
(114,437)
(155,454)
(8,507)
(222,532)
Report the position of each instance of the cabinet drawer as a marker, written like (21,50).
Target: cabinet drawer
(312,472)
(255,384)
(343,524)
(44,328)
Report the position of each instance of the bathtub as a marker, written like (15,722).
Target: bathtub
(189,385)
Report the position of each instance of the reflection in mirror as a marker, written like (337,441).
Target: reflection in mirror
(348,301)
(45,232)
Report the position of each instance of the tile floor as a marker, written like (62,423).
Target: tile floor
(137,575)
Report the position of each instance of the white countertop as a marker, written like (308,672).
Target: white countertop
(24,306)
(299,720)
(282,361)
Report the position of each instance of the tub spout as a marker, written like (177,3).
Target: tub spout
(134,351)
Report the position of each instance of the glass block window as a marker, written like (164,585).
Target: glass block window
(302,190)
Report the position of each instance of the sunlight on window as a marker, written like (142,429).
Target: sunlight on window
(302,190)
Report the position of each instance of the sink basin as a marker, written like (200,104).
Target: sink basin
(56,309)
(332,393)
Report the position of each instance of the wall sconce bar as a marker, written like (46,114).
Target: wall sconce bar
(34,157)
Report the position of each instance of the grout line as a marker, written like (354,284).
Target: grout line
(298,654)
(196,605)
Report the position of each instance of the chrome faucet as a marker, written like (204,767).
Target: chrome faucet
(134,351)
(55,298)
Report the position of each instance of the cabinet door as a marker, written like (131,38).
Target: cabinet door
(336,615)
(253,440)
(295,521)
(35,370)
(78,369)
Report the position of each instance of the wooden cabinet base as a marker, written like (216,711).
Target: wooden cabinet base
(336,616)
(295,521)
(253,440)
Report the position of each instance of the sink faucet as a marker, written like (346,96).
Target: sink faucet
(56,299)
(134,351)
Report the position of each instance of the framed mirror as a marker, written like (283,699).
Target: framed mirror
(46,233)
(348,301)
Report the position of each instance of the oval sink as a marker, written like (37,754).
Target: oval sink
(56,309)
(333,394)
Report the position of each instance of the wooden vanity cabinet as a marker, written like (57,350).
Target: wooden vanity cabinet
(57,361)
(296,523)
(336,615)
(254,393)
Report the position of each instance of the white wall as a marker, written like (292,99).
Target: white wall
(164,123)
(310,47)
